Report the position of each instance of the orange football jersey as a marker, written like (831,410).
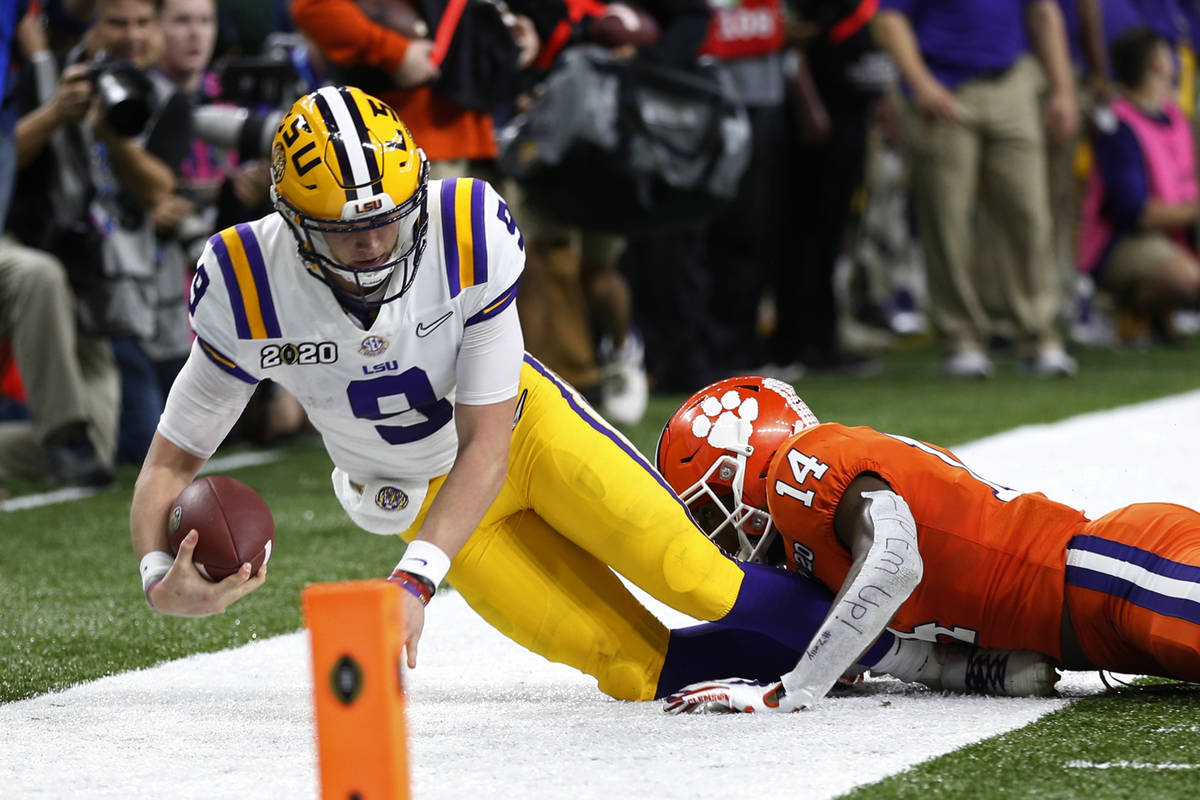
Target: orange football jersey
(994,557)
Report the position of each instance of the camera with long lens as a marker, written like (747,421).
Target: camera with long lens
(126,94)
(255,94)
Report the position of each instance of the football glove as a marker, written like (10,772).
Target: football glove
(727,696)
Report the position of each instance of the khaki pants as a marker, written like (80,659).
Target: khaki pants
(68,378)
(995,158)
(564,269)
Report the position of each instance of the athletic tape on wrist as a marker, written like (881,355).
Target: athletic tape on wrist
(154,565)
(427,560)
(416,585)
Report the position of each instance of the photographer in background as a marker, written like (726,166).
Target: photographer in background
(220,184)
(71,384)
(102,176)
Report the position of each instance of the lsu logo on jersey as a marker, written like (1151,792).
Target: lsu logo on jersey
(302,353)
(391,498)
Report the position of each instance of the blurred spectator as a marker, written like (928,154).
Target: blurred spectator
(401,66)
(246,25)
(103,177)
(1139,217)
(216,189)
(185,218)
(746,241)
(70,385)
(697,291)
(886,286)
(849,75)
(974,127)
(1084,28)
(11,13)
(576,306)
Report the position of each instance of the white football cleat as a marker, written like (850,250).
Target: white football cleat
(624,390)
(979,670)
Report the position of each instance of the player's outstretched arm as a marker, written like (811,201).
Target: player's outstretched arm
(182,591)
(484,436)
(878,528)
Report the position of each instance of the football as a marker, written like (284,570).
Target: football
(620,24)
(233,521)
(399,15)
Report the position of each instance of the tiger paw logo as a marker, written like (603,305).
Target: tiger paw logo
(391,498)
(726,422)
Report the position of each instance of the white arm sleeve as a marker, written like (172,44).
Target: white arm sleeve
(889,573)
(203,405)
(489,361)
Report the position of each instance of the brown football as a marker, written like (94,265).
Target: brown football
(234,523)
(620,24)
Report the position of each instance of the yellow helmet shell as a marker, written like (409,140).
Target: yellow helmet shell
(341,161)
(337,150)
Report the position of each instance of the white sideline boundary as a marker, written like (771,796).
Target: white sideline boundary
(488,719)
(220,464)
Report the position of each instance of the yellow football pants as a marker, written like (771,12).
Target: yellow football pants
(579,499)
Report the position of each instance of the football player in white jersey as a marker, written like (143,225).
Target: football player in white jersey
(383,301)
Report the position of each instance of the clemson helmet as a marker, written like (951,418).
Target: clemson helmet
(715,450)
(342,161)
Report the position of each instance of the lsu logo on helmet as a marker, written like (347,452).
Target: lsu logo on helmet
(343,161)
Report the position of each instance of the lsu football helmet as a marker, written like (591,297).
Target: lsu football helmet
(342,161)
(715,451)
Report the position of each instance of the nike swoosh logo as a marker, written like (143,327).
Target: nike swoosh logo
(423,561)
(520,408)
(425,330)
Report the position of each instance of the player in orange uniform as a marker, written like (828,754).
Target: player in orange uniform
(913,541)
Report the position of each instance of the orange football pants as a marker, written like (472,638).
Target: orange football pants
(1133,590)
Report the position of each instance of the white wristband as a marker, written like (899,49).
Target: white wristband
(153,567)
(427,560)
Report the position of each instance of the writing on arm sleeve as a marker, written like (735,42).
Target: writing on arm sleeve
(887,574)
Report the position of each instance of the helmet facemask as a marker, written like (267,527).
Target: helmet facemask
(716,504)
(716,499)
(376,285)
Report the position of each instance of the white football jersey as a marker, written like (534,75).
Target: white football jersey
(382,398)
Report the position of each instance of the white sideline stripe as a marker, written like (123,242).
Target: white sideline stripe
(47,498)
(222,464)
(1128,765)
(1152,581)
(251,458)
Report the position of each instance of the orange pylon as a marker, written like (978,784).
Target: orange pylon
(355,632)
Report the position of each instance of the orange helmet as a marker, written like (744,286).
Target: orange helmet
(715,451)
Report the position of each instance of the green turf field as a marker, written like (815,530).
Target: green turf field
(73,608)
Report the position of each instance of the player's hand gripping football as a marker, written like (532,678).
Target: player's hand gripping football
(726,697)
(184,592)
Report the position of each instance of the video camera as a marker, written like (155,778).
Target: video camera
(255,93)
(126,94)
